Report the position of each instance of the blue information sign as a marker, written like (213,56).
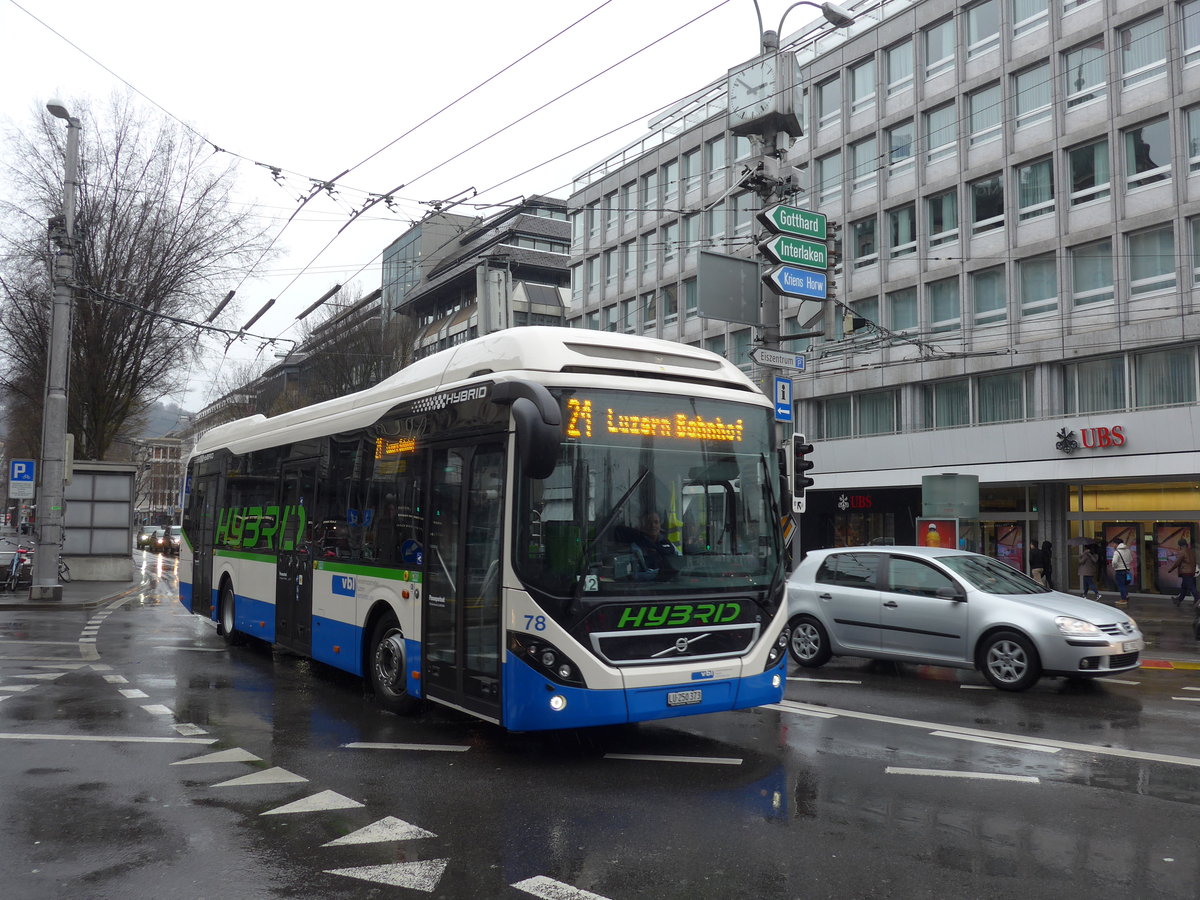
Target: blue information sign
(796,282)
(783,399)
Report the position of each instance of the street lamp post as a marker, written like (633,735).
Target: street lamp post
(52,470)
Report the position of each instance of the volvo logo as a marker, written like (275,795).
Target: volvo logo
(681,645)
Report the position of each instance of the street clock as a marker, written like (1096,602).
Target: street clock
(764,94)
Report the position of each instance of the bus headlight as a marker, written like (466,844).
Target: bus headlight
(545,659)
(778,648)
(558,702)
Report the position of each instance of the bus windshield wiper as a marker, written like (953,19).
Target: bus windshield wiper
(605,525)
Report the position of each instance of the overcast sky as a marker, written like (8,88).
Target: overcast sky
(315,89)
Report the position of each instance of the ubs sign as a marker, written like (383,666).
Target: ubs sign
(1097,438)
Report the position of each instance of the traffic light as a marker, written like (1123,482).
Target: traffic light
(800,464)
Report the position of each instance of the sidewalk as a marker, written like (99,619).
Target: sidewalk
(76,595)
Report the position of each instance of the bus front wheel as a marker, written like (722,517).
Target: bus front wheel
(231,635)
(388,672)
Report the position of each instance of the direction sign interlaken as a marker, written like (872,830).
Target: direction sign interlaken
(796,252)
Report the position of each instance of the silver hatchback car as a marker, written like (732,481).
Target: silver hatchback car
(951,608)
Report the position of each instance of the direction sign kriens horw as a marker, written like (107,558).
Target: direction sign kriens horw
(795,282)
(796,251)
(782,219)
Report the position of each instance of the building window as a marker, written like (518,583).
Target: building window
(650,192)
(670,303)
(1032,95)
(1195,225)
(612,271)
(629,201)
(985,108)
(628,263)
(648,256)
(742,147)
(670,184)
(1090,176)
(629,315)
(690,169)
(743,213)
(1189,14)
(1092,273)
(612,212)
(942,210)
(714,150)
(941,132)
(715,223)
(939,48)
(876,412)
(1069,5)
(1165,377)
(1001,398)
(649,312)
(988,296)
(862,86)
(578,223)
(900,67)
(1035,189)
(983,28)
(987,204)
(1143,51)
(691,297)
(670,242)
(1097,385)
(902,310)
(945,306)
(837,413)
(1151,260)
(691,235)
(593,223)
(902,231)
(576,289)
(1039,284)
(900,146)
(611,319)
(1147,154)
(1028,15)
(829,177)
(829,102)
(740,351)
(865,245)
(715,345)
(1193,134)
(948,404)
(865,159)
(1084,73)
(591,320)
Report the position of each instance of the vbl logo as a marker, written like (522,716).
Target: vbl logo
(343,585)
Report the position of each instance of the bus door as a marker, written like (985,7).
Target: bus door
(293,573)
(462,640)
(202,507)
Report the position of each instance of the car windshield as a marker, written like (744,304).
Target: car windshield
(991,576)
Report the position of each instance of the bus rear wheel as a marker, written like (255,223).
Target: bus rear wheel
(388,671)
(225,620)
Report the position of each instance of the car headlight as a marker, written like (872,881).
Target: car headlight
(1077,627)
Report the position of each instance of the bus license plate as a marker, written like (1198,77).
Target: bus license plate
(684,698)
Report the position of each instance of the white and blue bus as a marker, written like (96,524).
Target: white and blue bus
(467,532)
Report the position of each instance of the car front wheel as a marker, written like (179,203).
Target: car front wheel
(1009,661)
(809,642)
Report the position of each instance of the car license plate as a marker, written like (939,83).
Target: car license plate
(684,698)
(1130,646)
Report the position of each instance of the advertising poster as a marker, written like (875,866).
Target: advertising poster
(1167,536)
(1123,531)
(937,533)
(1010,545)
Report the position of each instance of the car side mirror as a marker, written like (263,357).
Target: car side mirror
(951,594)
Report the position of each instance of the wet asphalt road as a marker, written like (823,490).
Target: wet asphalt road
(869,781)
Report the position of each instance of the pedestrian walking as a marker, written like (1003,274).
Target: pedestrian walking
(1089,569)
(1047,568)
(1185,562)
(1122,561)
(1037,565)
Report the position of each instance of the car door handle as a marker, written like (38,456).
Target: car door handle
(892,604)
(824,596)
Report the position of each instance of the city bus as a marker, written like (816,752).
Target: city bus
(466,532)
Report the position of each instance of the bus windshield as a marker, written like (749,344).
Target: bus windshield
(653,495)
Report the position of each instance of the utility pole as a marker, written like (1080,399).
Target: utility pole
(52,471)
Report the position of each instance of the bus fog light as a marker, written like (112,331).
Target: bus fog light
(564,671)
(776,681)
(558,702)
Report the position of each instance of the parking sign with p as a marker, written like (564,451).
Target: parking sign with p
(21,478)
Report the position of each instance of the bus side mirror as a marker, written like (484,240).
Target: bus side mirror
(539,425)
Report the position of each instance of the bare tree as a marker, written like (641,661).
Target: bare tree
(158,236)
(343,348)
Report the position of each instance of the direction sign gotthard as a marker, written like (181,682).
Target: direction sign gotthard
(783,219)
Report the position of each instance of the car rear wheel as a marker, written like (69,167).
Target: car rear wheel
(1009,661)
(388,670)
(809,642)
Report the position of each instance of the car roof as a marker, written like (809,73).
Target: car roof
(930,552)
